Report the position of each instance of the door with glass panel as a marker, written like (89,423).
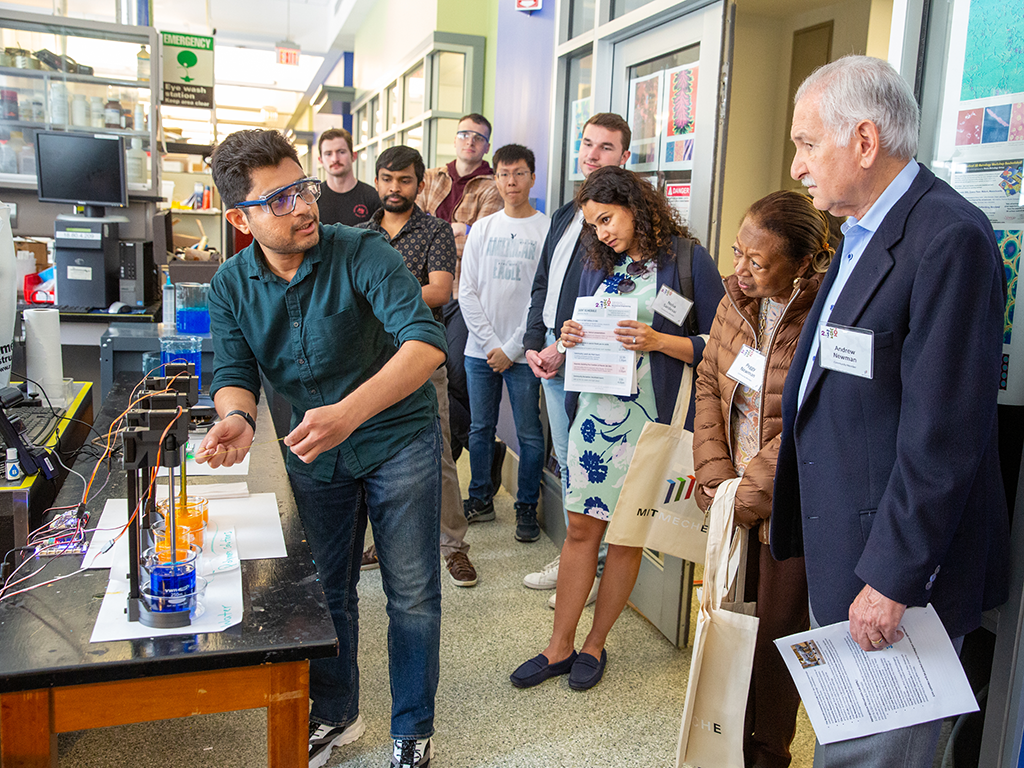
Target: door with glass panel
(666,83)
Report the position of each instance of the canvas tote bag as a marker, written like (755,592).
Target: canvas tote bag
(711,733)
(657,507)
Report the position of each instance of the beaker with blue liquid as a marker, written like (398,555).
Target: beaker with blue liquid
(183,349)
(172,578)
(192,313)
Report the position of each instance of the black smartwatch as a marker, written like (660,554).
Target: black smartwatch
(248,419)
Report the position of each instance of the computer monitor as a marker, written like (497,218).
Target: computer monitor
(81,168)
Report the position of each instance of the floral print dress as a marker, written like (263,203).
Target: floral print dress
(604,433)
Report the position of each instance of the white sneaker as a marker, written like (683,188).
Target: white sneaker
(412,753)
(545,578)
(591,598)
(324,738)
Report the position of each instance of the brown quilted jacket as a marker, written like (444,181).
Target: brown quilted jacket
(736,324)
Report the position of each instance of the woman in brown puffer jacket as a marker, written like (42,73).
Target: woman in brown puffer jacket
(783,247)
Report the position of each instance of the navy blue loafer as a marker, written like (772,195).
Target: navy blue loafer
(587,671)
(537,670)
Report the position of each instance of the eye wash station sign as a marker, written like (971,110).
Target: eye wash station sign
(187,67)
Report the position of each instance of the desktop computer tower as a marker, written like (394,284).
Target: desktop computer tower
(139,283)
(85,255)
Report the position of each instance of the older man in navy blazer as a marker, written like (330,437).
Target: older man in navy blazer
(888,478)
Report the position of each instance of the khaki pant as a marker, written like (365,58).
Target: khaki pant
(453,520)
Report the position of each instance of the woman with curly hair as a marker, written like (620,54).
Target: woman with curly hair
(631,237)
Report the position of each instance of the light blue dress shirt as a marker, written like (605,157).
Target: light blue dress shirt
(856,236)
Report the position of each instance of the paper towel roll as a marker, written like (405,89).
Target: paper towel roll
(42,353)
(8,295)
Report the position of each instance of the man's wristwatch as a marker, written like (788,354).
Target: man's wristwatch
(560,347)
(248,419)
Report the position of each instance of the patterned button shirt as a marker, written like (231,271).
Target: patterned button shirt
(426,243)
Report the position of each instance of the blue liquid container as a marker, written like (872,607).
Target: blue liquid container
(191,320)
(173,586)
(185,357)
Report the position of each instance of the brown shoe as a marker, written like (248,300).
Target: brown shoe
(369,559)
(460,569)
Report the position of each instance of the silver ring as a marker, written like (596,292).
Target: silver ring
(634,339)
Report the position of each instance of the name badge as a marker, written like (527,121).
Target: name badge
(847,350)
(671,305)
(748,368)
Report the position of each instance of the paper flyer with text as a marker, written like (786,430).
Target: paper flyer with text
(849,693)
(600,363)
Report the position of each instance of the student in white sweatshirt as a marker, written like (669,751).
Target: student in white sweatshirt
(498,265)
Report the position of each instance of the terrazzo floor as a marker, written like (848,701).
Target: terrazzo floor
(630,719)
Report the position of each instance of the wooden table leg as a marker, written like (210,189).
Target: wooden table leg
(27,739)
(288,716)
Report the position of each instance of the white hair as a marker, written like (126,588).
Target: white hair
(856,88)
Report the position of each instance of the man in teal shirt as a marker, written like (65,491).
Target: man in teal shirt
(337,324)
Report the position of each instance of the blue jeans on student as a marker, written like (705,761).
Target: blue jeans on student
(402,499)
(484,398)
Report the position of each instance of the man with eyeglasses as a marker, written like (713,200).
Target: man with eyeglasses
(605,141)
(428,248)
(500,261)
(336,322)
(461,193)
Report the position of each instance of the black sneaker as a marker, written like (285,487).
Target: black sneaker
(478,511)
(412,753)
(526,522)
(324,738)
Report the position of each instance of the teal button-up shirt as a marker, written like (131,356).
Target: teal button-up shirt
(348,308)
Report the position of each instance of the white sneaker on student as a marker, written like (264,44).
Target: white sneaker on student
(324,738)
(412,753)
(545,578)
(591,598)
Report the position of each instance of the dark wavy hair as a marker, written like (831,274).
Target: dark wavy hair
(655,222)
(241,153)
(802,228)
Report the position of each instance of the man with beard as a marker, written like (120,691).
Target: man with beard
(343,199)
(428,247)
(333,319)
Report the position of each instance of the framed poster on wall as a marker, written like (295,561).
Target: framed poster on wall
(981,143)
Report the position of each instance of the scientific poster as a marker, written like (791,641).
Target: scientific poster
(981,140)
(992,63)
(1009,241)
(644,113)
(994,187)
(681,109)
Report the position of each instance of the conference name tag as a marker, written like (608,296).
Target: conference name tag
(748,368)
(672,305)
(847,350)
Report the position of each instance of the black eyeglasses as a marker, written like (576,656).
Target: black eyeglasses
(281,201)
(635,269)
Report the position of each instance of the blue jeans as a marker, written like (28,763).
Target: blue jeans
(402,499)
(484,398)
